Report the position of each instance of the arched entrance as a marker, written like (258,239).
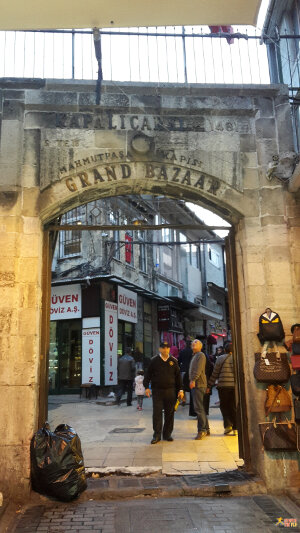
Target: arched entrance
(208,145)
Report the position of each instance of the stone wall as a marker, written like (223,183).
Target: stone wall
(226,148)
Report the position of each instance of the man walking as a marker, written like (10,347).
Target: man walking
(164,375)
(126,373)
(198,385)
(224,372)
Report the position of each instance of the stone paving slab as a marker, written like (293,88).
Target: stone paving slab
(103,449)
(222,515)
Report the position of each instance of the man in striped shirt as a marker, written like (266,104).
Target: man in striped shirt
(224,372)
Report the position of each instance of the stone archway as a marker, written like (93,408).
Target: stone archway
(209,145)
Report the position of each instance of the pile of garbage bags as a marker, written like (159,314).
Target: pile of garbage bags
(57,467)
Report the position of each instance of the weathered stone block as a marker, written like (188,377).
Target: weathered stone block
(278,273)
(51,98)
(27,270)
(13,110)
(31,161)
(284,128)
(10,94)
(21,401)
(31,225)
(11,150)
(28,320)
(145,101)
(265,128)
(272,201)
(247,142)
(10,242)
(30,246)
(266,149)
(110,140)
(254,274)
(265,106)
(250,178)
(15,459)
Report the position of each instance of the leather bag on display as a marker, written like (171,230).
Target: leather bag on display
(271,367)
(295,384)
(278,436)
(278,400)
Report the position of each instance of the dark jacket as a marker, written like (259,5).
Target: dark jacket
(163,374)
(184,359)
(126,367)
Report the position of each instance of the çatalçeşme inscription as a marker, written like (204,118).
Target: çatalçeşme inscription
(122,171)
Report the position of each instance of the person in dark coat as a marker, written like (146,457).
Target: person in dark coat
(164,375)
(184,360)
(126,374)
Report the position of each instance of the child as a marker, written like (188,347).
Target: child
(139,389)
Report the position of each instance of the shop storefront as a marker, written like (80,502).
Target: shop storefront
(88,331)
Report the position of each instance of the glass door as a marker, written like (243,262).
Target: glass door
(65,356)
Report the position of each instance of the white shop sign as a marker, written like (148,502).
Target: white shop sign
(91,351)
(65,302)
(111,343)
(127,305)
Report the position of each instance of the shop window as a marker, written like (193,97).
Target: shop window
(70,241)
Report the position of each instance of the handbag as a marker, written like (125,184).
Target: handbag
(295,361)
(271,367)
(295,384)
(278,400)
(278,436)
(297,411)
(270,327)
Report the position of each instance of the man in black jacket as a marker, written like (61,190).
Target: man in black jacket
(164,375)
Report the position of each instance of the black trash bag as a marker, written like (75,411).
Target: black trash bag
(57,467)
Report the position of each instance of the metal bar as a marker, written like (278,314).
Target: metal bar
(168,243)
(116,227)
(73,54)
(184,55)
(48,239)
(224,35)
(235,321)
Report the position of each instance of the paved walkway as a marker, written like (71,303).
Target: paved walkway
(255,514)
(118,438)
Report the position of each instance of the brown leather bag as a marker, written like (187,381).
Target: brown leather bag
(279,436)
(271,367)
(278,400)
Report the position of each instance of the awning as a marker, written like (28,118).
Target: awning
(33,14)
(203,312)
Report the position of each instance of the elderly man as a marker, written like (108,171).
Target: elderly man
(164,375)
(198,385)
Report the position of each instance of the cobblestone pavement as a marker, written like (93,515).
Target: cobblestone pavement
(220,514)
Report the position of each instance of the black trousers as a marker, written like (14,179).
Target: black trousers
(125,384)
(227,406)
(163,399)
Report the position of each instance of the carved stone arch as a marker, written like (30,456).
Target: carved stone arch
(144,177)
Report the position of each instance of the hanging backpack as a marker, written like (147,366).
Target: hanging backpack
(270,327)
